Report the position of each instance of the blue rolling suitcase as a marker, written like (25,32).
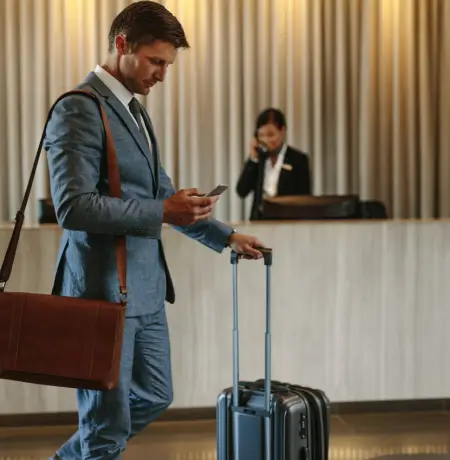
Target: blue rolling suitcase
(269,420)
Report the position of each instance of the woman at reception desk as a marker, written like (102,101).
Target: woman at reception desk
(273,167)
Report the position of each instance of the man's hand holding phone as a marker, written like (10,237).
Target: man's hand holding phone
(189,206)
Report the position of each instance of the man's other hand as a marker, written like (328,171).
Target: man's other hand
(245,246)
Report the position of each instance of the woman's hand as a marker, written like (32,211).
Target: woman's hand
(254,149)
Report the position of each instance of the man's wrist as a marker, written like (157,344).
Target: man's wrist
(230,237)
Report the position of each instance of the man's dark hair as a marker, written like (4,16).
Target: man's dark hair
(145,22)
(271,116)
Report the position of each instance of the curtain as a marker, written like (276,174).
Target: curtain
(364,85)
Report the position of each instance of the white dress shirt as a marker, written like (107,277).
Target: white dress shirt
(272,173)
(121,92)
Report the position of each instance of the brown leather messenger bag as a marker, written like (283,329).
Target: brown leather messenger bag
(63,341)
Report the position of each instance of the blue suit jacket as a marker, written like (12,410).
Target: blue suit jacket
(76,157)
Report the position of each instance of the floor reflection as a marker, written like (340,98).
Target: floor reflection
(356,437)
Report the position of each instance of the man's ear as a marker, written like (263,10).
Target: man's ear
(121,45)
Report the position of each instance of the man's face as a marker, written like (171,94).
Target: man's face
(146,66)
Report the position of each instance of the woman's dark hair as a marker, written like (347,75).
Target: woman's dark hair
(145,22)
(271,116)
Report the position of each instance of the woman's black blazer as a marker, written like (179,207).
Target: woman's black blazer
(295,179)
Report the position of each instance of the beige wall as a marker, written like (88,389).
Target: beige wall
(359,309)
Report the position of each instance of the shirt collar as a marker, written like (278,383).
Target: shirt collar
(114,85)
(281,155)
(283,151)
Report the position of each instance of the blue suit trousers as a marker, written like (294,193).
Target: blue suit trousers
(108,419)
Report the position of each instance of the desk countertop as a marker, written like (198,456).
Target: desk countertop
(360,309)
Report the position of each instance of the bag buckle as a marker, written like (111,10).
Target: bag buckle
(123,296)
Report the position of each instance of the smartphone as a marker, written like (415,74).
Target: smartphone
(217,190)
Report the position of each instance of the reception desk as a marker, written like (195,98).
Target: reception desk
(360,309)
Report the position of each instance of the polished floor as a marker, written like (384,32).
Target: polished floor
(411,436)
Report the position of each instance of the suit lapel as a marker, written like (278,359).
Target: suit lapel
(285,179)
(124,116)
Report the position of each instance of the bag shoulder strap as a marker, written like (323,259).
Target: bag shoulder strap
(114,189)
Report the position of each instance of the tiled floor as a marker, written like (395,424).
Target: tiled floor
(353,437)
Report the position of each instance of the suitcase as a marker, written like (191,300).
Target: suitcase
(264,419)
(319,407)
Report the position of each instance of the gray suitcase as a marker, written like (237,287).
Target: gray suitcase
(264,419)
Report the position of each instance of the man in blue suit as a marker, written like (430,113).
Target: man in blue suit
(143,42)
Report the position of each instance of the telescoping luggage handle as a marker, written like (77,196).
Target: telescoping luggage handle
(267,254)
